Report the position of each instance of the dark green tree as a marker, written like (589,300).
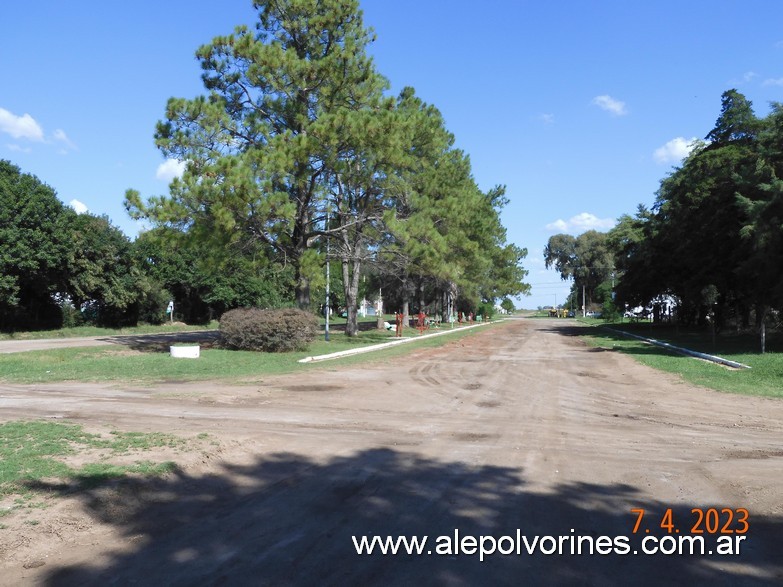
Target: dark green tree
(203,289)
(33,245)
(587,259)
(714,225)
(761,206)
(364,188)
(257,146)
(101,277)
(737,121)
(502,273)
(631,242)
(698,219)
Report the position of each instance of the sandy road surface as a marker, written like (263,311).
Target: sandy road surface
(518,427)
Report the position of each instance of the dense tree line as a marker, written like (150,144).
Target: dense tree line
(297,147)
(586,259)
(298,143)
(713,240)
(58,267)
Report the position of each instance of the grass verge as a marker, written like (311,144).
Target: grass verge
(764,378)
(83,331)
(122,364)
(31,452)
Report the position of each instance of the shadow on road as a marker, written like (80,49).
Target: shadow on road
(288,520)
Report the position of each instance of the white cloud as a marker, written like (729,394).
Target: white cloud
(558,225)
(20,127)
(170,169)
(675,150)
(60,136)
(26,127)
(547,118)
(746,78)
(80,207)
(773,82)
(580,223)
(749,76)
(18,148)
(614,107)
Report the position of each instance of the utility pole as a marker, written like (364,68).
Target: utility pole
(326,308)
(584,303)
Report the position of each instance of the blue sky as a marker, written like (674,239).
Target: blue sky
(580,108)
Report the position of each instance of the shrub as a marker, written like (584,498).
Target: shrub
(71,316)
(609,310)
(278,330)
(486,309)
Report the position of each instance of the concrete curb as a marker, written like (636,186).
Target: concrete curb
(676,349)
(384,345)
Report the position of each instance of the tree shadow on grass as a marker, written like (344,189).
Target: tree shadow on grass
(616,341)
(289,520)
(701,340)
(160,343)
(210,339)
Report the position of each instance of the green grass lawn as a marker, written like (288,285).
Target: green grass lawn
(83,331)
(117,363)
(765,377)
(31,452)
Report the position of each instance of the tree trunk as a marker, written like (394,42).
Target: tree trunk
(302,292)
(300,245)
(379,321)
(763,330)
(351,272)
(444,306)
(406,302)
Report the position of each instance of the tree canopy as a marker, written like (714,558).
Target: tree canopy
(59,267)
(713,241)
(297,124)
(33,245)
(587,259)
(259,144)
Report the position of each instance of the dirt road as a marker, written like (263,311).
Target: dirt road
(519,427)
